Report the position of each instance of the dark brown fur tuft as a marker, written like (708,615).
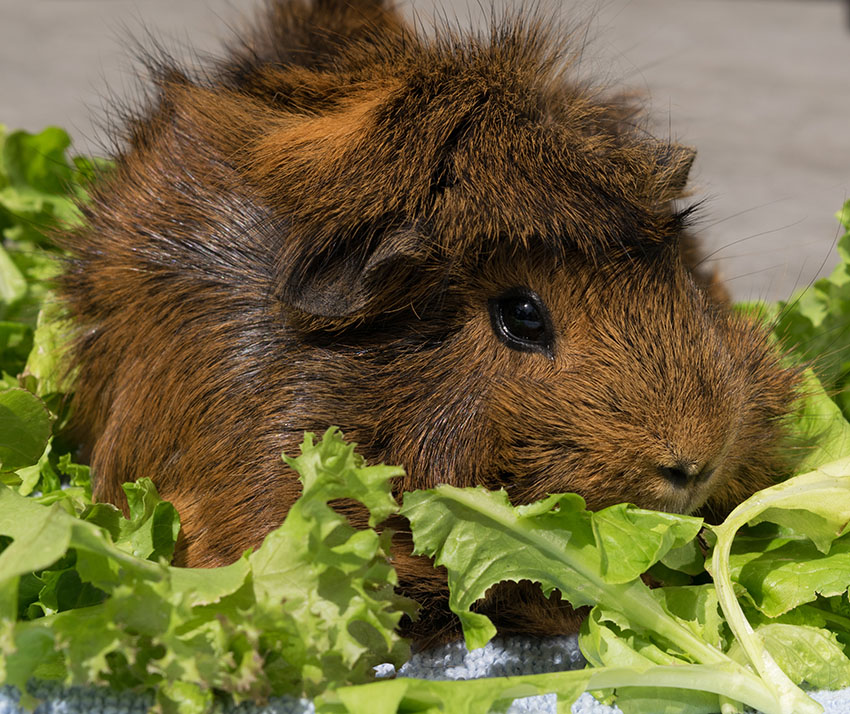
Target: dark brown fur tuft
(310,233)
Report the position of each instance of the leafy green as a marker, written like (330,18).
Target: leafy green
(151,531)
(819,428)
(815,323)
(91,596)
(482,540)
(25,426)
(337,581)
(815,505)
(780,569)
(39,187)
(15,344)
(47,360)
(807,654)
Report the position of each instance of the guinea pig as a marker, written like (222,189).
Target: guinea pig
(473,263)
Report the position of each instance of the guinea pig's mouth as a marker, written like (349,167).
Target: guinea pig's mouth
(685,498)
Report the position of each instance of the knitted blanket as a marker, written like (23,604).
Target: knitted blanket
(501,657)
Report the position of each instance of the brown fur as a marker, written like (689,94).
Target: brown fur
(308,234)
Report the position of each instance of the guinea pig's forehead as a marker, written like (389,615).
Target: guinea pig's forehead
(563,273)
(535,184)
(502,147)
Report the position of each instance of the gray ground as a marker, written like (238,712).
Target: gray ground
(760,87)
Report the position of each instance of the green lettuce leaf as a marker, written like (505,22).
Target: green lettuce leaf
(807,654)
(329,573)
(25,427)
(151,531)
(47,360)
(482,540)
(312,609)
(781,569)
(815,505)
(39,187)
(815,323)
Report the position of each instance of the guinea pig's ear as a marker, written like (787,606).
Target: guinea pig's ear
(343,283)
(674,164)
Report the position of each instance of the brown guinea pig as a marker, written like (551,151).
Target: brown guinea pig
(471,262)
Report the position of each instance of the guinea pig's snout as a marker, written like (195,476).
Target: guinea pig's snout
(682,485)
(685,474)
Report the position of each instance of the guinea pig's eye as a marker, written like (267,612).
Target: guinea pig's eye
(521,320)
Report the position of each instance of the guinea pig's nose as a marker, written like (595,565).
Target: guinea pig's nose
(685,473)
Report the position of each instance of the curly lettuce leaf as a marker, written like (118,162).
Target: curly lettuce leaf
(336,581)
(36,194)
(39,187)
(46,364)
(312,609)
(39,190)
(151,531)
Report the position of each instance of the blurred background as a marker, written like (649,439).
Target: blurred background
(760,87)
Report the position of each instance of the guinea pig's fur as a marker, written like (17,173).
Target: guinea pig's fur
(346,223)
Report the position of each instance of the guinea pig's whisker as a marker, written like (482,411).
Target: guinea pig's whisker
(752,236)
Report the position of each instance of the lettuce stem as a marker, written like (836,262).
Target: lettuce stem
(723,679)
(793,700)
(727,680)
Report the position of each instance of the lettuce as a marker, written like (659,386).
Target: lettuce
(89,598)
(38,188)
(815,323)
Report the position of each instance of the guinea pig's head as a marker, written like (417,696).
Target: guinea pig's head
(516,297)
(618,378)
(484,273)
